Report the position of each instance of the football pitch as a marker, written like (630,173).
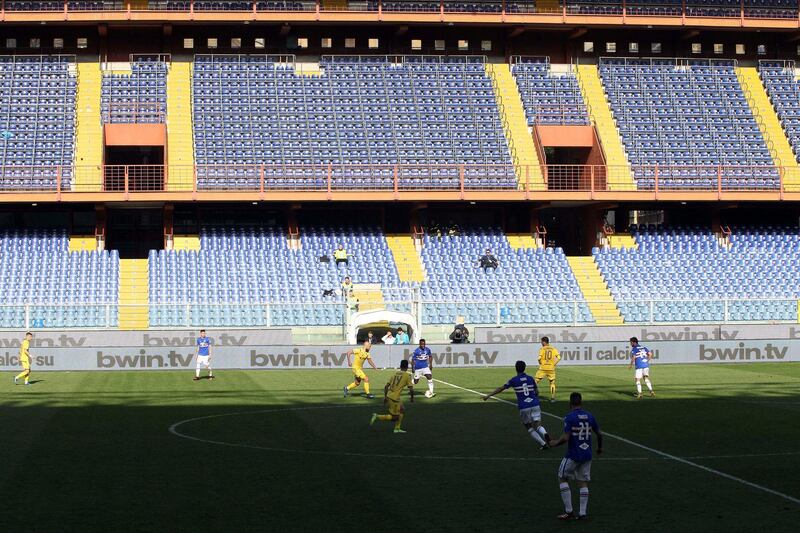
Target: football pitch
(716,450)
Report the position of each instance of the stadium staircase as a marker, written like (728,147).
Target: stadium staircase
(180,140)
(134,282)
(406,258)
(521,241)
(768,122)
(186,242)
(622,241)
(515,127)
(369,296)
(620,177)
(81,243)
(595,290)
(88,128)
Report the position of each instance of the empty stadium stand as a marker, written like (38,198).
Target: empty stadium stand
(43,284)
(550,97)
(531,285)
(783,89)
(354,121)
(691,118)
(37,127)
(236,272)
(136,96)
(688,275)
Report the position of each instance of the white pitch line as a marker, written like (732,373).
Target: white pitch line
(657,452)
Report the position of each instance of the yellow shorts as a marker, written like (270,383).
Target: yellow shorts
(395,406)
(549,374)
(25,362)
(359,373)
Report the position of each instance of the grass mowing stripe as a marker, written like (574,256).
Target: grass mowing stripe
(657,452)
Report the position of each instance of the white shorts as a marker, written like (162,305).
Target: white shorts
(203,360)
(569,469)
(531,415)
(642,372)
(419,372)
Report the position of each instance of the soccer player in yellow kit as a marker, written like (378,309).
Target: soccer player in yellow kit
(357,364)
(548,359)
(25,359)
(391,397)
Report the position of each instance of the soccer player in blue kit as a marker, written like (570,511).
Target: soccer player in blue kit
(640,356)
(421,362)
(577,463)
(530,410)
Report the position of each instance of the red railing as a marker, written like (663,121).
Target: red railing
(502,8)
(134,113)
(263,178)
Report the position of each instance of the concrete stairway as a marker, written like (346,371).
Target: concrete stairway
(595,291)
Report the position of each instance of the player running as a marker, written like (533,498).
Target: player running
(25,359)
(203,355)
(528,403)
(641,356)
(357,364)
(577,462)
(421,359)
(391,397)
(548,359)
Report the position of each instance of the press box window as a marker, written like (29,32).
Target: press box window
(58,42)
(373,43)
(188,43)
(655,48)
(761,50)
(740,49)
(486,46)
(259,43)
(236,43)
(719,48)
(633,48)
(611,48)
(588,46)
(327,42)
(416,44)
(83,42)
(438,45)
(697,48)
(212,43)
(35,42)
(350,42)
(463,45)
(302,42)
(11,42)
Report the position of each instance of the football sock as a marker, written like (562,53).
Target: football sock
(23,374)
(197,372)
(430,385)
(366,387)
(385,417)
(399,421)
(638,387)
(352,386)
(552,389)
(535,436)
(649,385)
(566,497)
(584,500)
(542,431)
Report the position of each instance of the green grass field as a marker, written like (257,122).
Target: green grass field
(93,452)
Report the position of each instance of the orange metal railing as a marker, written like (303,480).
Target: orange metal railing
(582,8)
(398,178)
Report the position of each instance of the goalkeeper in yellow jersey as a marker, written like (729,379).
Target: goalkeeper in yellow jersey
(25,360)
(357,364)
(548,359)
(401,380)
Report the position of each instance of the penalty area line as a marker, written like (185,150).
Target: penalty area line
(654,451)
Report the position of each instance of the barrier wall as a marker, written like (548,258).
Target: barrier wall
(239,352)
